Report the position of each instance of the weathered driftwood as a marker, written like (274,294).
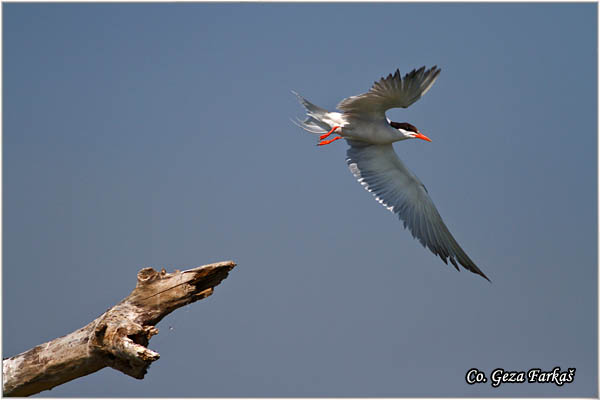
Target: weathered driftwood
(118,338)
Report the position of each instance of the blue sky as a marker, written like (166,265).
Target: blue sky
(159,135)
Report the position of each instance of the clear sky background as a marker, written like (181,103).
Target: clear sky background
(159,135)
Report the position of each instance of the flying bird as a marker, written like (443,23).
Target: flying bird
(373,161)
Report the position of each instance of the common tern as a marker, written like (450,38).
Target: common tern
(373,161)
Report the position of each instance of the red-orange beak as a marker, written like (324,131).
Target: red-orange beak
(419,135)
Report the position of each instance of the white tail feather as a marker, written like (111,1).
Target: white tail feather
(318,120)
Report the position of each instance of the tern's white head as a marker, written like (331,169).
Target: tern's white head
(408,131)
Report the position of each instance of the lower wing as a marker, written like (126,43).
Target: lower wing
(381,172)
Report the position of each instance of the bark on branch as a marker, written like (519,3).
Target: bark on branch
(118,338)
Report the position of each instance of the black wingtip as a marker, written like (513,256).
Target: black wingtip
(454,263)
(483,275)
(477,271)
(469,267)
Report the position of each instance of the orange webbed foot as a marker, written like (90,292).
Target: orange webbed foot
(328,133)
(323,143)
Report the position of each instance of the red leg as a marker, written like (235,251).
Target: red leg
(324,142)
(328,133)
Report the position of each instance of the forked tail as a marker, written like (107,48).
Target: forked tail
(318,120)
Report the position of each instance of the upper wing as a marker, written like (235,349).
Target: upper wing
(380,171)
(392,92)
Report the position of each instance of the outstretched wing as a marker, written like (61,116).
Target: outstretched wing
(380,171)
(392,92)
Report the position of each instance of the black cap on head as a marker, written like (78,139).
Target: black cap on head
(404,125)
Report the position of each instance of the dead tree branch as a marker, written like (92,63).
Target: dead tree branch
(118,338)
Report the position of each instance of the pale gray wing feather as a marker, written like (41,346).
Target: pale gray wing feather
(392,92)
(381,172)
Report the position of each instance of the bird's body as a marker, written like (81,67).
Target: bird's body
(375,131)
(367,128)
(372,160)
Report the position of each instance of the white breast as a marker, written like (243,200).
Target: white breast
(376,131)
